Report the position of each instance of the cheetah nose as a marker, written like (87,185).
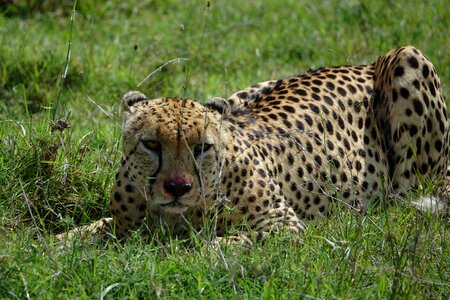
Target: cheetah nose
(177,187)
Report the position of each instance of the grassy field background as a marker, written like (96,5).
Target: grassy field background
(60,146)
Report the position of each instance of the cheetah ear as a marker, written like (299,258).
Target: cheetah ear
(130,99)
(219,104)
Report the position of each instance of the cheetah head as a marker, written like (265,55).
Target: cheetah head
(173,151)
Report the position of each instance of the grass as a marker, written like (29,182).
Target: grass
(51,180)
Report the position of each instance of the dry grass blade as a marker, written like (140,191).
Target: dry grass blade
(41,238)
(107,290)
(110,116)
(172,61)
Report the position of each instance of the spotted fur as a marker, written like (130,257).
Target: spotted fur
(279,153)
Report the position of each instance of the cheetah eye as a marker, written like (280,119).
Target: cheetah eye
(153,146)
(201,148)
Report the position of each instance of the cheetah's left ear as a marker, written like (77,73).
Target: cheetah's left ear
(130,99)
(219,104)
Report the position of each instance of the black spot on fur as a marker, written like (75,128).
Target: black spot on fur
(404,92)
(425,71)
(399,71)
(418,107)
(413,62)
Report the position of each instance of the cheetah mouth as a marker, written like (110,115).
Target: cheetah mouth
(175,206)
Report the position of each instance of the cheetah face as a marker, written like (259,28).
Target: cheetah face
(173,151)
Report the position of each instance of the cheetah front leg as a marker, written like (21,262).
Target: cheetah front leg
(262,216)
(261,228)
(101,228)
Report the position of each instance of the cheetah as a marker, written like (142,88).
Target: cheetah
(280,153)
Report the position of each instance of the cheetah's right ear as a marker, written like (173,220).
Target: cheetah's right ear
(130,99)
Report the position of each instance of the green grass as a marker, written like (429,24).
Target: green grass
(54,180)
